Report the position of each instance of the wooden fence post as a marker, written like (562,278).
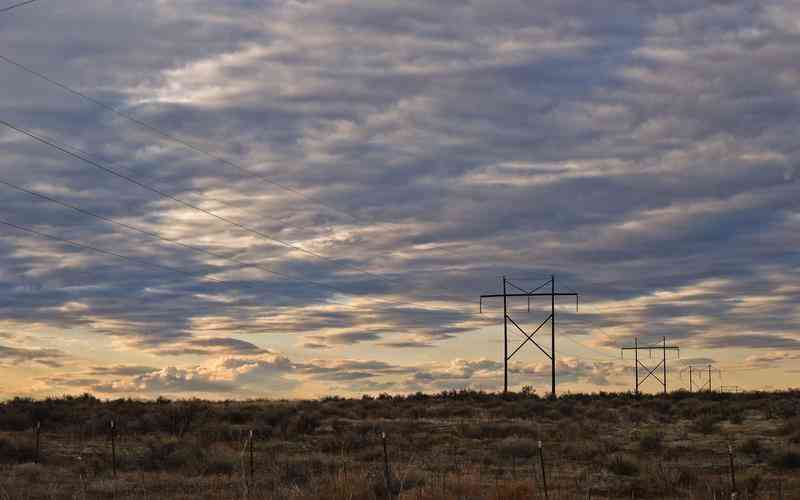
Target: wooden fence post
(38,430)
(252,466)
(544,474)
(734,493)
(112,428)
(387,473)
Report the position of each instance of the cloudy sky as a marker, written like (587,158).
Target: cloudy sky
(262,198)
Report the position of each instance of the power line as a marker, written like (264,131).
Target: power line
(174,138)
(156,236)
(84,246)
(164,194)
(596,351)
(20,4)
(171,137)
(139,261)
(185,203)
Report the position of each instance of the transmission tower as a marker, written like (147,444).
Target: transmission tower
(529,337)
(663,363)
(707,384)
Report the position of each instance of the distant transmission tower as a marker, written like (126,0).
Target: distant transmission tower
(529,337)
(707,384)
(663,363)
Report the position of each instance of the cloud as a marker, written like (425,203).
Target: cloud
(407,344)
(770,359)
(752,341)
(52,358)
(121,370)
(215,378)
(636,156)
(211,346)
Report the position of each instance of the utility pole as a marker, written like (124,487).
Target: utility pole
(662,364)
(553,333)
(707,385)
(636,356)
(505,338)
(709,378)
(664,353)
(529,337)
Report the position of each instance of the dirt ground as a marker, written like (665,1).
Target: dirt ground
(455,445)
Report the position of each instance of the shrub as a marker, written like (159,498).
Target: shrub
(706,424)
(790,426)
(498,430)
(29,471)
(16,450)
(219,461)
(687,477)
(304,423)
(751,446)
(751,483)
(623,466)
(156,454)
(12,419)
(787,459)
(651,441)
(518,448)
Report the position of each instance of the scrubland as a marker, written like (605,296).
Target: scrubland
(454,445)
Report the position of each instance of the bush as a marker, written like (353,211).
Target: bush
(787,459)
(29,471)
(518,448)
(687,477)
(707,424)
(219,461)
(156,454)
(622,466)
(12,419)
(302,424)
(751,446)
(751,483)
(651,441)
(16,450)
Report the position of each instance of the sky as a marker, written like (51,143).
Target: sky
(293,199)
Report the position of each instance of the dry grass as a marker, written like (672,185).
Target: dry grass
(464,445)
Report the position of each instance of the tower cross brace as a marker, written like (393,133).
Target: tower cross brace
(662,364)
(529,337)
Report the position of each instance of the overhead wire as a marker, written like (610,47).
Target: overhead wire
(163,194)
(174,138)
(173,241)
(14,6)
(169,136)
(140,261)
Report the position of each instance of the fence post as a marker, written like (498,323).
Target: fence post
(544,474)
(734,493)
(38,430)
(387,473)
(112,428)
(252,467)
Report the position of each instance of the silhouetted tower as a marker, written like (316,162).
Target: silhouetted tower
(529,337)
(662,364)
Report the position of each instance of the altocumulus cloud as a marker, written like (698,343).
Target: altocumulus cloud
(630,148)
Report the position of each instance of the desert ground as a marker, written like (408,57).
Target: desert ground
(453,445)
